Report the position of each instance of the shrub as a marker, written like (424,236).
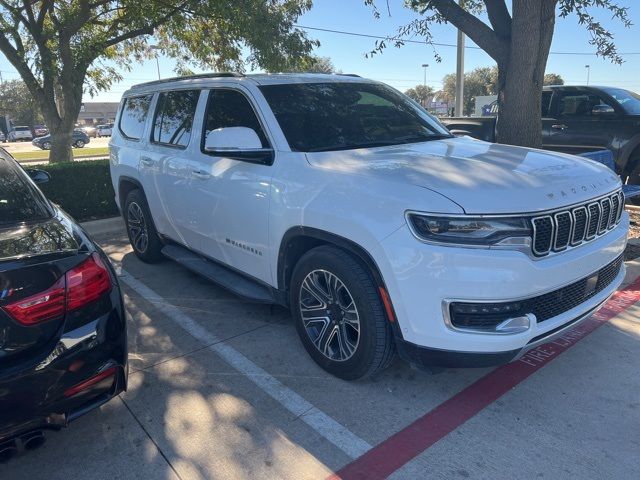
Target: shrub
(82,189)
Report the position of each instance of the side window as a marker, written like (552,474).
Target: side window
(134,115)
(579,104)
(230,108)
(546,102)
(174,117)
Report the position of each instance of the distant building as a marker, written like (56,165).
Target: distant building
(96,113)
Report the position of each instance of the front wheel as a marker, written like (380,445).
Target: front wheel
(46,146)
(141,231)
(79,144)
(339,314)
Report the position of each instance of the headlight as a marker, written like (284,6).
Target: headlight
(463,230)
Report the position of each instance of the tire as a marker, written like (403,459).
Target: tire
(79,144)
(345,351)
(141,231)
(46,146)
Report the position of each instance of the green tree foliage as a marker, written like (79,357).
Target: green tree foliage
(64,48)
(519,40)
(17,102)
(314,64)
(423,94)
(553,79)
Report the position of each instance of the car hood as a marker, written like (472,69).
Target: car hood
(481,177)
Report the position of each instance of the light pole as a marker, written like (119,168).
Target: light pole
(588,67)
(424,100)
(155,49)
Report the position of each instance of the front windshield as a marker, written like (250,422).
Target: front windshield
(320,117)
(630,101)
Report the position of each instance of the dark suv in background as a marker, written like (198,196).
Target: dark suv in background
(578,119)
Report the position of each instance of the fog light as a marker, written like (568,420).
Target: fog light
(498,317)
(515,325)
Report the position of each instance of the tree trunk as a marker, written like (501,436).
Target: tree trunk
(521,74)
(61,144)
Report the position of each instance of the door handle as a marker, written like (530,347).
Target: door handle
(146,161)
(200,175)
(559,127)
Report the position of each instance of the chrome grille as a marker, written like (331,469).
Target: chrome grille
(576,225)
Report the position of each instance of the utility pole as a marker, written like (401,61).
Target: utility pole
(424,100)
(588,67)
(154,49)
(459,111)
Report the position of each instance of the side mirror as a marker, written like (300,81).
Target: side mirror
(238,143)
(602,110)
(232,138)
(39,176)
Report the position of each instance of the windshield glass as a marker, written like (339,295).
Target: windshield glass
(317,117)
(630,101)
(20,201)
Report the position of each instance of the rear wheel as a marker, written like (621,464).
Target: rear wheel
(140,228)
(339,314)
(46,146)
(79,144)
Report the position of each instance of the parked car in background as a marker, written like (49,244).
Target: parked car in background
(3,138)
(40,130)
(20,133)
(79,140)
(340,198)
(63,347)
(578,119)
(90,130)
(104,130)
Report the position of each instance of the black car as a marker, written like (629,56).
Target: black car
(579,119)
(63,349)
(79,139)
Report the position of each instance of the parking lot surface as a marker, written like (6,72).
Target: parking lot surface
(220,388)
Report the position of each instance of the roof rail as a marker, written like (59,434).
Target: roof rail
(190,77)
(349,75)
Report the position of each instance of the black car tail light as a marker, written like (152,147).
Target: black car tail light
(80,286)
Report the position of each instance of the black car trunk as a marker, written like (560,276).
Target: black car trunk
(33,260)
(37,247)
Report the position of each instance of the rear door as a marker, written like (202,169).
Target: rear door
(170,151)
(580,123)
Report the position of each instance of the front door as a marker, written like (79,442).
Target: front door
(581,121)
(230,198)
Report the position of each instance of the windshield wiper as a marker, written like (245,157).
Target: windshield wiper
(380,143)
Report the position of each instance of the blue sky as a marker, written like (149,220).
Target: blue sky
(402,69)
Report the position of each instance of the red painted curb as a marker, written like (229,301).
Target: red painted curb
(390,455)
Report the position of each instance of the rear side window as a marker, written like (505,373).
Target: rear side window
(134,116)
(20,201)
(174,117)
(546,102)
(230,108)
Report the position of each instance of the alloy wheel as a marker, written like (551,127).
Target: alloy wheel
(329,315)
(137,226)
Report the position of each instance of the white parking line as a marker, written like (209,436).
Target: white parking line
(323,424)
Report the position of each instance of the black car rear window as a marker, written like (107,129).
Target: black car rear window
(20,200)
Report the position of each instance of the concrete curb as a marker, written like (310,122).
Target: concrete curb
(106,225)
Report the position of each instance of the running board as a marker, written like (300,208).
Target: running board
(219,274)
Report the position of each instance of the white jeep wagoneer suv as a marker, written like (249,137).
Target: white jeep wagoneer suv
(343,199)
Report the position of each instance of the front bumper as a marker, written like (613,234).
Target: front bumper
(421,278)
(32,392)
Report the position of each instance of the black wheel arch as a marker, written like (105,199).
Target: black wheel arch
(298,240)
(125,185)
